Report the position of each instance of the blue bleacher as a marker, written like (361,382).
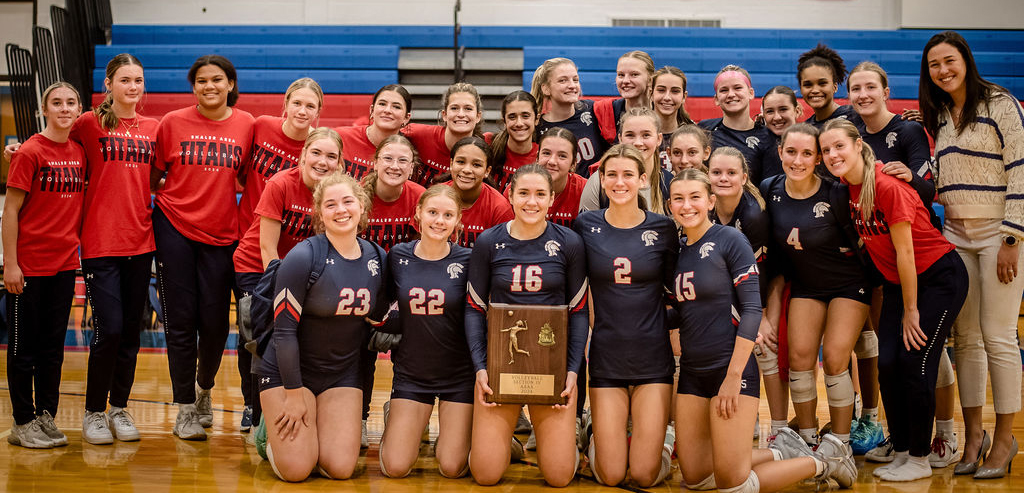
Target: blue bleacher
(366,56)
(271,80)
(418,36)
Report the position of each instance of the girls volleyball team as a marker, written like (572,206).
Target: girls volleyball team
(694,257)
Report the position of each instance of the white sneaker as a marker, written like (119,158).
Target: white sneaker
(364,441)
(944,451)
(122,425)
(29,435)
(95,429)
(882,453)
(50,429)
(832,449)
(187,425)
(204,406)
(531,443)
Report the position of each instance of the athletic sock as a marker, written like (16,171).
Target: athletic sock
(944,428)
(810,435)
(898,460)
(913,469)
(778,424)
(871,413)
(843,437)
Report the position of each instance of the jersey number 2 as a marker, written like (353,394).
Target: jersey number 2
(623,267)
(531,281)
(434,300)
(794,239)
(350,297)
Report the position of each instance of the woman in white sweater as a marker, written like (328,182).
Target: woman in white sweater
(979,150)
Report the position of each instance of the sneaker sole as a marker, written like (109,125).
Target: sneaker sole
(98,441)
(943,463)
(11,439)
(127,437)
(197,438)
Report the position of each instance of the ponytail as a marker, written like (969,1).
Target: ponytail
(105,111)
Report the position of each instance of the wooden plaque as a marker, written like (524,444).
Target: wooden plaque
(526,353)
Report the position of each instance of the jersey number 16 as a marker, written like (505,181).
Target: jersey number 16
(531,281)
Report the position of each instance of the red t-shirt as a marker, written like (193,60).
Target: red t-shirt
(272,151)
(286,200)
(117,216)
(357,150)
(567,204)
(896,202)
(51,175)
(435,157)
(202,159)
(392,223)
(514,161)
(490,208)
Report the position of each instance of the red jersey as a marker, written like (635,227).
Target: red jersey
(490,208)
(51,175)
(202,159)
(117,218)
(566,207)
(272,151)
(286,200)
(357,150)
(514,161)
(392,223)
(435,157)
(896,202)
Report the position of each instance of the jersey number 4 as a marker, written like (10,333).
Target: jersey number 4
(426,302)
(623,267)
(531,281)
(794,239)
(349,299)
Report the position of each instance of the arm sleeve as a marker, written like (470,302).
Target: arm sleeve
(289,296)
(919,161)
(576,295)
(745,282)
(478,291)
(1009,118)
(590,199)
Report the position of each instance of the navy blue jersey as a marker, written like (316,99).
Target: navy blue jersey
(431,295)
(324,330)
(815,252)
(755,224)
(753,143)
(582,124)
(629,271)
(844,111)
(715,290)
(550,270)
(905,141)
(771,163)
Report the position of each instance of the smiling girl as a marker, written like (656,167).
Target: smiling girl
(461,116)
(390,110)
(639,129)
(819,72)
(514,146)
(634,73)
(736,128)
(556,86)
(482,205)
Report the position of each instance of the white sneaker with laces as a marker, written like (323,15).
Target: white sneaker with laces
(95,429)
(50,429)
(122,425)
(944,451)
(29,435)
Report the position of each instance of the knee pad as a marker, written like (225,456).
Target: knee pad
(593,463)
(945,378)
(767,360)
(707,484)
(380,458)
(273,465)
(802,386)
(323,472)
(839,389)
(867,345)
(751,485)
(458,475)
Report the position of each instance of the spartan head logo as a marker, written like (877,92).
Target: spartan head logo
(454,270)
(820,209)
(373,266)
(587,118)
(752,142)
(706,249)
(552,247)
(890,139)
(649,237)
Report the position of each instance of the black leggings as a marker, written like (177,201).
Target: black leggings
(246,283)
(37,321)
(907,378)
(195,291)
(117,289)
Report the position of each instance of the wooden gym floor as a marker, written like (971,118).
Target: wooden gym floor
(160,462)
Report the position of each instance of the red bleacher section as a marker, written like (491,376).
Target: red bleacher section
(349,109)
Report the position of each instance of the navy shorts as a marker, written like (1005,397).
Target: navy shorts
(625,383)
(316,381)
(706,383)
(461,396)
(857,292)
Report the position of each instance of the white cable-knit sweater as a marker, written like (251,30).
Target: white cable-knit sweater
(980,173)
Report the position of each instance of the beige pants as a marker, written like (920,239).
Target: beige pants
(985,333)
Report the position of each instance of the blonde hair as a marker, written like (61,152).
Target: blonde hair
(463,87)
(869,66)
(305,83)
(867,189)
(694,174)
(627,151)
(340,178)
(748,186)
(441,190)
(657,200)
(542,76)
(58,85)
(317,134)
(648,62)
